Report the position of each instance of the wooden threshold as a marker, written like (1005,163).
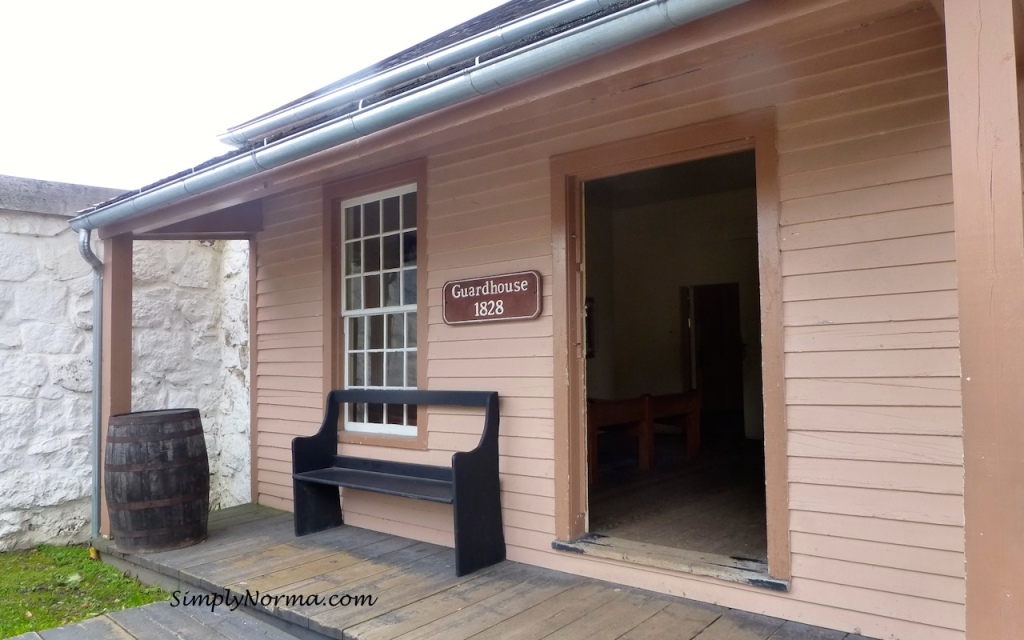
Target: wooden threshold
(733,569)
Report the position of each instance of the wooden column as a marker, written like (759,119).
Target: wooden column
(987,185)
(254,458)
(117,340)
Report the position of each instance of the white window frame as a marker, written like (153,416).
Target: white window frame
(409,333)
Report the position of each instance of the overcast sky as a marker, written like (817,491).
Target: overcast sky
(120,93)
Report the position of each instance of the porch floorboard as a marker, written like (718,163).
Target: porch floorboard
(417,593)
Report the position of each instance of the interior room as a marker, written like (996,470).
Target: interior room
(673,380)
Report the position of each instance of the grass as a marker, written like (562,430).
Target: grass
(50,586)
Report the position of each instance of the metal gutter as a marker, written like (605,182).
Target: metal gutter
(468,49)
(85,248)
(575,45)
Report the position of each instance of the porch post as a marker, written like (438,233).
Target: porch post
(989,224)
(117,340)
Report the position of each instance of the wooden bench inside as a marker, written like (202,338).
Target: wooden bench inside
(470,484)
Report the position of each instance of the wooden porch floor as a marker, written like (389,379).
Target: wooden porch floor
(417,594)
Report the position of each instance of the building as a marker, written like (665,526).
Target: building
(824,194)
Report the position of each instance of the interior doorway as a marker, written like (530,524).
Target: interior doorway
(670,264)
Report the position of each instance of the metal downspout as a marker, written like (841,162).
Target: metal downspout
(85,248)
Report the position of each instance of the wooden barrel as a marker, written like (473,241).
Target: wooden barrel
(157,478)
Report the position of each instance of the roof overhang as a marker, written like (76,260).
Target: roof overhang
(561,49)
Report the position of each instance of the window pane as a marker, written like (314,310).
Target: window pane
(371,254)
(410,368)
(356,363)
(392,251)
(375,413)
(357,412)
(409,210)
(376,361)
(353,224)
(396,331)
(395,413)
(371,218)
(410,414)
(392,289)
(357,334)
(353,258)
(410,329)
(371,284)
(391,214)
(394,373)
(354,293)
(409,249)
(409,286)
(376,332)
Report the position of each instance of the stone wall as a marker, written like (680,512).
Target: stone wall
(190,315)
(190,349)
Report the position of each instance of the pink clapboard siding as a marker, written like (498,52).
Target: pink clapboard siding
(869,289)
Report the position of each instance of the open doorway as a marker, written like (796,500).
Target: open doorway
(673,357)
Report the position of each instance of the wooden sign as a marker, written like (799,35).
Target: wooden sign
(510,296)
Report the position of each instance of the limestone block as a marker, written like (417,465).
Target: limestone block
(9,527)
(230,358)
(186,398)
(50,392)
(200,312)
(26,224)
(55,454)
(155,309)
(6,299)
(19,419)
(43,337)
(192,377)
(81,313)
(64,524)
(163,350)
(10,337)
(148,265)
(209,352)
(58,486)
(18,259)
(68,416)
(40,300)
(81,286)
(148,393)
(21,375)
(208,398)
(199,269)
(61,259)
(72,373)
(236,259)
(80,302)
(175,253)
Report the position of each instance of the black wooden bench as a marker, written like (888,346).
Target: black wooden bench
(470,485)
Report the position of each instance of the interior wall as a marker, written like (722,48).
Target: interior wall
(637,260)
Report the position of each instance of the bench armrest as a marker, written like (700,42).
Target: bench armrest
(318,450)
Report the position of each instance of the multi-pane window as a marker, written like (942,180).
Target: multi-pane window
(379,305)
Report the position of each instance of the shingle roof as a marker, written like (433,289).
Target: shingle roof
(494,18)
(497,17)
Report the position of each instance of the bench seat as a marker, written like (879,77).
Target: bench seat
(399,479)
(470,484)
